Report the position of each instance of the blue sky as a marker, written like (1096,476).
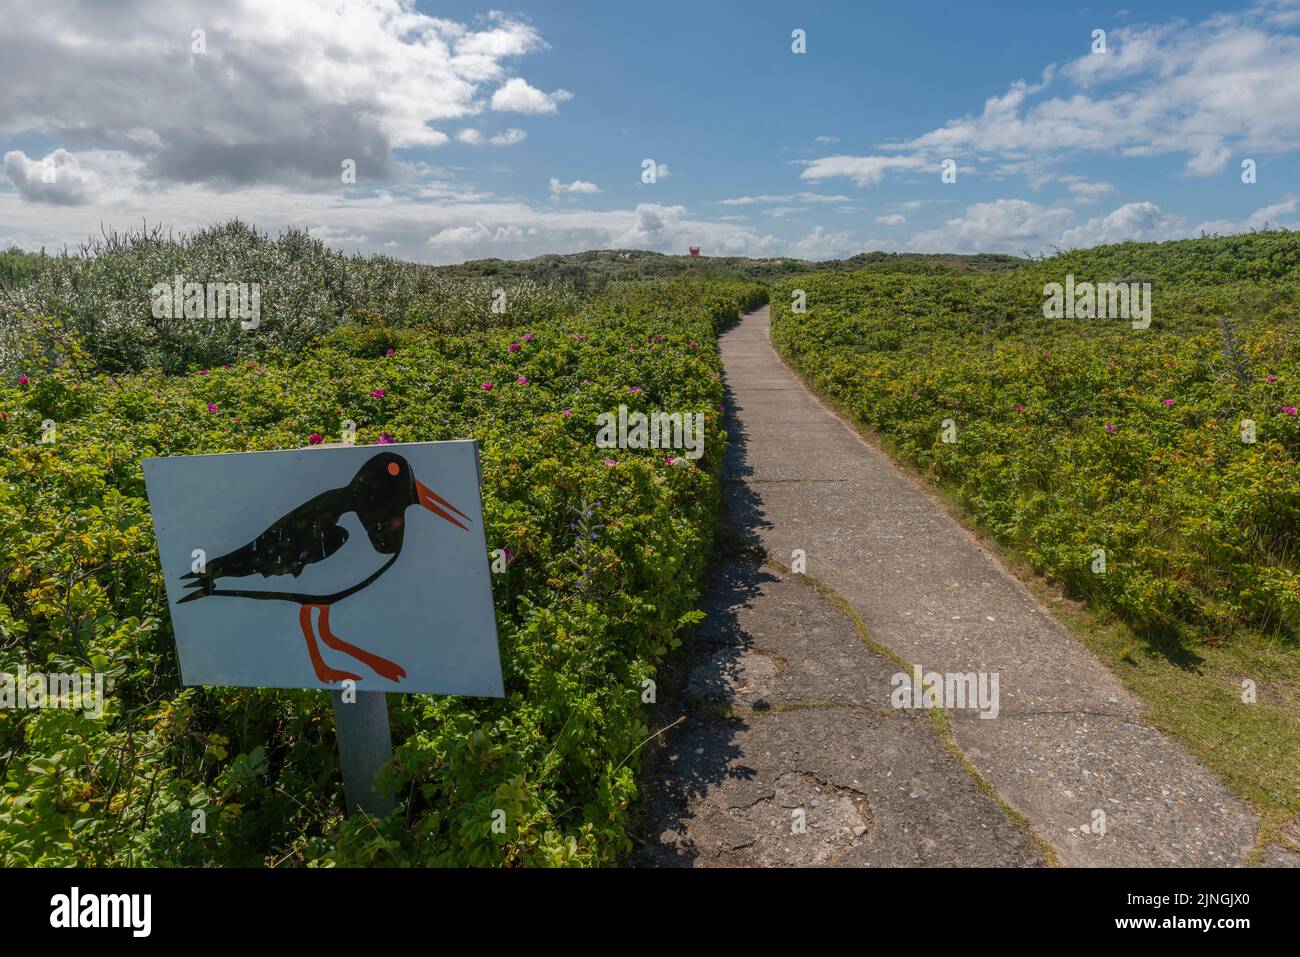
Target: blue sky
(513,133)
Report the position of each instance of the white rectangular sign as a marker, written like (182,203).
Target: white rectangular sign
(301,569)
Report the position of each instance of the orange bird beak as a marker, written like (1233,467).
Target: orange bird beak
(438,505)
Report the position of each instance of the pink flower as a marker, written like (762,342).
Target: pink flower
(522,380)
(1045,355)
(580,337)
(670,460)
(390,352)
(1270,378)
(634,390)
(1019,407)
(212,407)
(203,372)
(529,337)
(1167,402)
(509,555)
(695,345)
(916,395)
(376,393)
(631,348)
(586,382)
(384,439)
(1110,427)
(486,387)
(1289,409)
(315,438)
(515,347)
(23,380)
(611,462)
(567,413)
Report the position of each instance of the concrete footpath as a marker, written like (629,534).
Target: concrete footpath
(790,752)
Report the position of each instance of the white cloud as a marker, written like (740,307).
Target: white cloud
(516,96)
(283,92)
(892,219)
(58,179)
(819,244)
(577,186)
(791,198)
(1087,192)
(1272,216)
(475,137)
(863,170)
(1018,227)
(1205,90)
(1142,222)
(1006,225)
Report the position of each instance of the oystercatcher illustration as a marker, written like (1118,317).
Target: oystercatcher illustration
(379,495)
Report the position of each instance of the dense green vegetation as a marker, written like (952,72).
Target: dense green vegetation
(1079,435)
(606,548)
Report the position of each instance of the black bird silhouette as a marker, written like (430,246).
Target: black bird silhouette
(379,494)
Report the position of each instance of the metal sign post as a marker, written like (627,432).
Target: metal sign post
(365,745)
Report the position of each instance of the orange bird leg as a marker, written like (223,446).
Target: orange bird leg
(323,671)
(381,666)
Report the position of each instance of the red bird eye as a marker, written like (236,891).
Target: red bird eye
(393,468)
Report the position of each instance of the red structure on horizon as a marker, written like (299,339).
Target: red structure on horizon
(695,250)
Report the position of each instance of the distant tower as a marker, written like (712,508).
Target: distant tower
(695,250)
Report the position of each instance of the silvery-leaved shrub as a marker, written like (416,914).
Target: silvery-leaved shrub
(106,296)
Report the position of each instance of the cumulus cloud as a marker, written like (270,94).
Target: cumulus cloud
(1006,225)
(1267,217)
(819,244)
(892,219)
(516,96)
(1142,222)
(1016,226)
(274,92)
(58,179)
